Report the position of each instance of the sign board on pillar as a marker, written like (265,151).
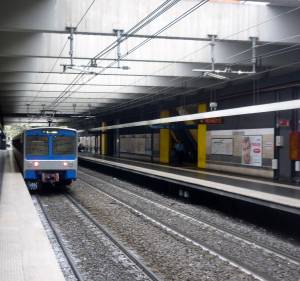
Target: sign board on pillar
(212,121)
(283,123)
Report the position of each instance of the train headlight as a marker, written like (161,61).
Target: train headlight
(68,164)
(36,164)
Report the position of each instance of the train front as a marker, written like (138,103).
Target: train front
(50,156)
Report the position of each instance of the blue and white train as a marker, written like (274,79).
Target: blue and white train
(47,155)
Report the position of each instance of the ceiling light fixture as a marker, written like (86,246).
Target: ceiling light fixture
(215,73)
(260,3)
(216,76)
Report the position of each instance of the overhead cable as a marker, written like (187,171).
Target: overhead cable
(170,24)
(150,17)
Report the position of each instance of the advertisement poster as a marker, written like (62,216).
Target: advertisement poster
(252,150)
(221,146)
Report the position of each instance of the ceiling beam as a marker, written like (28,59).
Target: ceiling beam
(54,16)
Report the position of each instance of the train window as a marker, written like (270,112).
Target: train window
(37,145)
(63,145)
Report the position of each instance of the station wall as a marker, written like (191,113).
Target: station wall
(244,151)
(140,146)
(224,150)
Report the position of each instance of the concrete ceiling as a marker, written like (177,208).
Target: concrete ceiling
(34,45)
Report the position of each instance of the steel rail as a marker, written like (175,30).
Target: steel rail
(213,225)
(60,242)
(177,233)
(115,241)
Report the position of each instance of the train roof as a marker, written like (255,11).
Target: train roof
(43,128)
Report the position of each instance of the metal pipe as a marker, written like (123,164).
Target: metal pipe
(212,50)
(71,38)
(253,60)
(119,33)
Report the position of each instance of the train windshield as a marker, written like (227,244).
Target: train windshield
(63,145)
(37,145)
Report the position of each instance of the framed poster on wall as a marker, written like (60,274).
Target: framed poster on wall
(221,146)
(252,150)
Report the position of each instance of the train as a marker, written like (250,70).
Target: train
(2,140)
(47,155)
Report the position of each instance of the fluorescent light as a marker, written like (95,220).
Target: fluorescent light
(202,70)
(211,73)
(253,109)
(215,73)
(260,3)
(217,76)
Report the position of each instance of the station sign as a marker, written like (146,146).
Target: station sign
(283,123)
(213,121)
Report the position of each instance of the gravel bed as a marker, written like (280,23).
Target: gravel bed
(167,255)
(95,256)
(253,232)
(268,264)
(63,262)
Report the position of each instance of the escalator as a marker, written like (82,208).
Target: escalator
(186,133)
(181,134)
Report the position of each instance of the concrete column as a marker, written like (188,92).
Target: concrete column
(201,163)
(165,141)
(104,141)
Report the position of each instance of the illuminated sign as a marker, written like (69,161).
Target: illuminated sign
(283,123)
(213,121)
(49,132)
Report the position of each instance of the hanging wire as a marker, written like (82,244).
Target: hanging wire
(285,13)
(153,15)
(60,53)
(195,7)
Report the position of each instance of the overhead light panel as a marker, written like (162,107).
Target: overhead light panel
(216,76)
(260,3)
(213,74)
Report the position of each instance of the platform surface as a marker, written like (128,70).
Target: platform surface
(269,193)
(25,251)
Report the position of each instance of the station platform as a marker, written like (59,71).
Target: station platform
(272,194)
(25,251)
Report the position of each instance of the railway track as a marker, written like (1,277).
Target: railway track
(149,275)
(60,241)
(118,195)
(221,228)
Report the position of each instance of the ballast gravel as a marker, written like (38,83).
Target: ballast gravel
(167,255)
(62,261)
(267,264)
(95,256)
(253,232)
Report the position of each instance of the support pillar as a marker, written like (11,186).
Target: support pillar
(201,163)
(164,141)
(99,143)
(104,141)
